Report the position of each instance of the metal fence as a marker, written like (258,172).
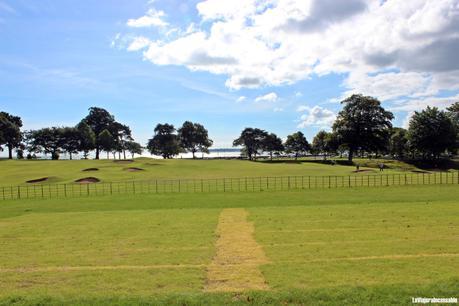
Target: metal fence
(246,184)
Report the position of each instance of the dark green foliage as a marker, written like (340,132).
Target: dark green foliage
(251,140)
(10,132)
(70,140)
(431,133)
(194,138)
(297,143)
(87,138)
(398,143)
(46,140)
(106,141)
(165,142)
(133,148)
(99,119)
(272,143)
(363,124)
(324,143)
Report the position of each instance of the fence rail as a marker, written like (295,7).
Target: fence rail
(245,184)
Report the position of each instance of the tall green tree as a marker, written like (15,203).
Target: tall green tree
(106,142)
(87,138)
(296,143)
(431,133)
(133,148)
(398,143)
(194,138)
(11,136)
(46,140)
(99,119)
(323,143)
(165,141)
(363,124)
(272,144)
(453,113)
(70,140)
(251,139)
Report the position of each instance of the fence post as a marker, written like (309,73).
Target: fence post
(19,192)
(288,183)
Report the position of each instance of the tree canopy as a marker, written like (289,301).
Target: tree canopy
(297,143)
(194,138)
(431,132)
(10,135)
(164,142)
(251,139)
(363,124)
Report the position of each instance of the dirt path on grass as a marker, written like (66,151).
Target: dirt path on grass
(235,266)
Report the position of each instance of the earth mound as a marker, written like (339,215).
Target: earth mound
(43,179)
(87,180)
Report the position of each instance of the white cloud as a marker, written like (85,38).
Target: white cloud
(241,99)
(271,97)
(278,109)
(152,18)
(138,43)
(316,116)
(388,49)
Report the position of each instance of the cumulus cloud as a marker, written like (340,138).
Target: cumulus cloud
(388,49)
(271,97)
(138,43)
(316,116)
(152,18)
(241,99)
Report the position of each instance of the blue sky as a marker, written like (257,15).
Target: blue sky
(278,65)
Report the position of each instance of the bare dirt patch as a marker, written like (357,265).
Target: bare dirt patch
(134,169)
(235,266)
(123,161)
(87,180)
(363,170)
(90,169)
(43,179)
(420,171)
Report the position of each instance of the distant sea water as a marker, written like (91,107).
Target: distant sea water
(213,153)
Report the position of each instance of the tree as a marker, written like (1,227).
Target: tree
(453,113)
(398,143)
(271,143)
(252,141)
(194,138)
(11,136)
(363,124)
(98,120)
(431,132)
(106,142)
(70,140)
(296,143)
(121,134)
(46,140)
(323,143)
(133,148)
(165,142)
(87,138)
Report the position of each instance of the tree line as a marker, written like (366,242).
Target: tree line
(362,127)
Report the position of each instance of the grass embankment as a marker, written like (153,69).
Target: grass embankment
(16,172)
(373,246)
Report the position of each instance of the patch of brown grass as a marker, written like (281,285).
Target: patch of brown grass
(235,266)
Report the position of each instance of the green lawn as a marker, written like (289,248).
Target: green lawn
(332,247)
(16,172)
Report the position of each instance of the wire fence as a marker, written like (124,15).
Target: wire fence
(246,184)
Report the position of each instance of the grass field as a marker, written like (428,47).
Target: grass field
(18,172)
(357,246)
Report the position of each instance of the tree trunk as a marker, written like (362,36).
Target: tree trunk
(10,152)
(351,154)
(119,155)
(70,154)
(296,156)
(193,151)
(124,154)
(97,153)
(108,155)
(271,155)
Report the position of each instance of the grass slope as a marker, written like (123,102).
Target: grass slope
(16,172)
(326,247)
